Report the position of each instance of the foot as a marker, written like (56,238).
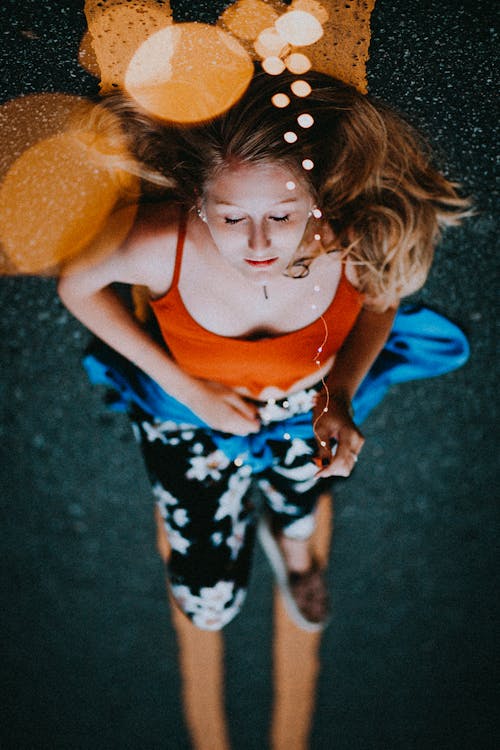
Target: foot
(298,576)
(310,594)
(306,580)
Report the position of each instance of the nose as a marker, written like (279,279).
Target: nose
(258,238)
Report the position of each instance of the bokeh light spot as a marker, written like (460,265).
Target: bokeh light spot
(345,31)
(29,119)
(270,44)
(189,72)
(52,202)
(290,185)
(290,136)
(118,28)
(280,100)
(313,7)
(108,239)
(273,65)
(298,63)
(308,164)
(305,120)
(61,170)
(301,88)
(299,28)
(247,18)
(87,57)
(317,213)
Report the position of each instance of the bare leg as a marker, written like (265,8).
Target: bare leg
(297,553)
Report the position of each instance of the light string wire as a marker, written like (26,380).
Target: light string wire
(323,382)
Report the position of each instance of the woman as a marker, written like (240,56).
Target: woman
(274,266)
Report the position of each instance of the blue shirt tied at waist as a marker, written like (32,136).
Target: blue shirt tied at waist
(422,344)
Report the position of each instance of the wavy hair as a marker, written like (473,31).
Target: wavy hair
(373,175)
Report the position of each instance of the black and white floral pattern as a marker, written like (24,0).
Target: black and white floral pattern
(204,499)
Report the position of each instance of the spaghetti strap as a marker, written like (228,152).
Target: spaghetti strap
(179,249)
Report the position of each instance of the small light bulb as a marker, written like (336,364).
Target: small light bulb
(290,136)
(280,100)
(308,164)
(290,185)
(273,65)
(298,63)
(299,28)
(301,88)
(305,120)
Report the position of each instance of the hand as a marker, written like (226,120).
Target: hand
(337,424)
(223,409)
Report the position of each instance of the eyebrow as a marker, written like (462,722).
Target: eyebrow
(221,202)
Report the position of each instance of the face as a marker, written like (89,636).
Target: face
(257,215)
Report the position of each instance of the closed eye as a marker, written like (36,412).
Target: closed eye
(232,221)
(280,218)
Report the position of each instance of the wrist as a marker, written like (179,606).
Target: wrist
(342,397)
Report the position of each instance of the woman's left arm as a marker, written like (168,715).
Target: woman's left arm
(333,414)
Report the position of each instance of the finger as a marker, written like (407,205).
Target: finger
(242,427)
(245,424)
(342,466)
(325,452)
(346,457)
(350,441)
(337,468)
(244,408)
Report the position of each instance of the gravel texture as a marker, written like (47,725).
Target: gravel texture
(89,656)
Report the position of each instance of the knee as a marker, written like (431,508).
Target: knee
(214,606)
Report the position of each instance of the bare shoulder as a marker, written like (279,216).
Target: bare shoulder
(147,257)
(380,303)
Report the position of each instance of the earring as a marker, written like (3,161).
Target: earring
(201,215)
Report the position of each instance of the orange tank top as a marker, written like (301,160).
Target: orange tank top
(278,361)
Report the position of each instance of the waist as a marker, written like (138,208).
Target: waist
(279,409)
(280,388)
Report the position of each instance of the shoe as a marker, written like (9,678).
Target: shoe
(299,590)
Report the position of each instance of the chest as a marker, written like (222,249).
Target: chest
(229,305)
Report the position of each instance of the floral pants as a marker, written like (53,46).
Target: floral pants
(206,502)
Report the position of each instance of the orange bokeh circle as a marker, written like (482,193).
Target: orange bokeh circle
(188,73)
(61,176)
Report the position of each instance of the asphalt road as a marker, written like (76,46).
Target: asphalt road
(89,656)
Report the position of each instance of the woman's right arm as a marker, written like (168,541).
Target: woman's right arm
(87,293)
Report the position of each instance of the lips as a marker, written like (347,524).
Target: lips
(261,263)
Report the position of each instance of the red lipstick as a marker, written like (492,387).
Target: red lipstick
(261,263)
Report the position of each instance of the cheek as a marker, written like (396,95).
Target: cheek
(288,235)
(227,243)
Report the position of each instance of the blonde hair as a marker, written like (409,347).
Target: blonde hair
(373,175)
